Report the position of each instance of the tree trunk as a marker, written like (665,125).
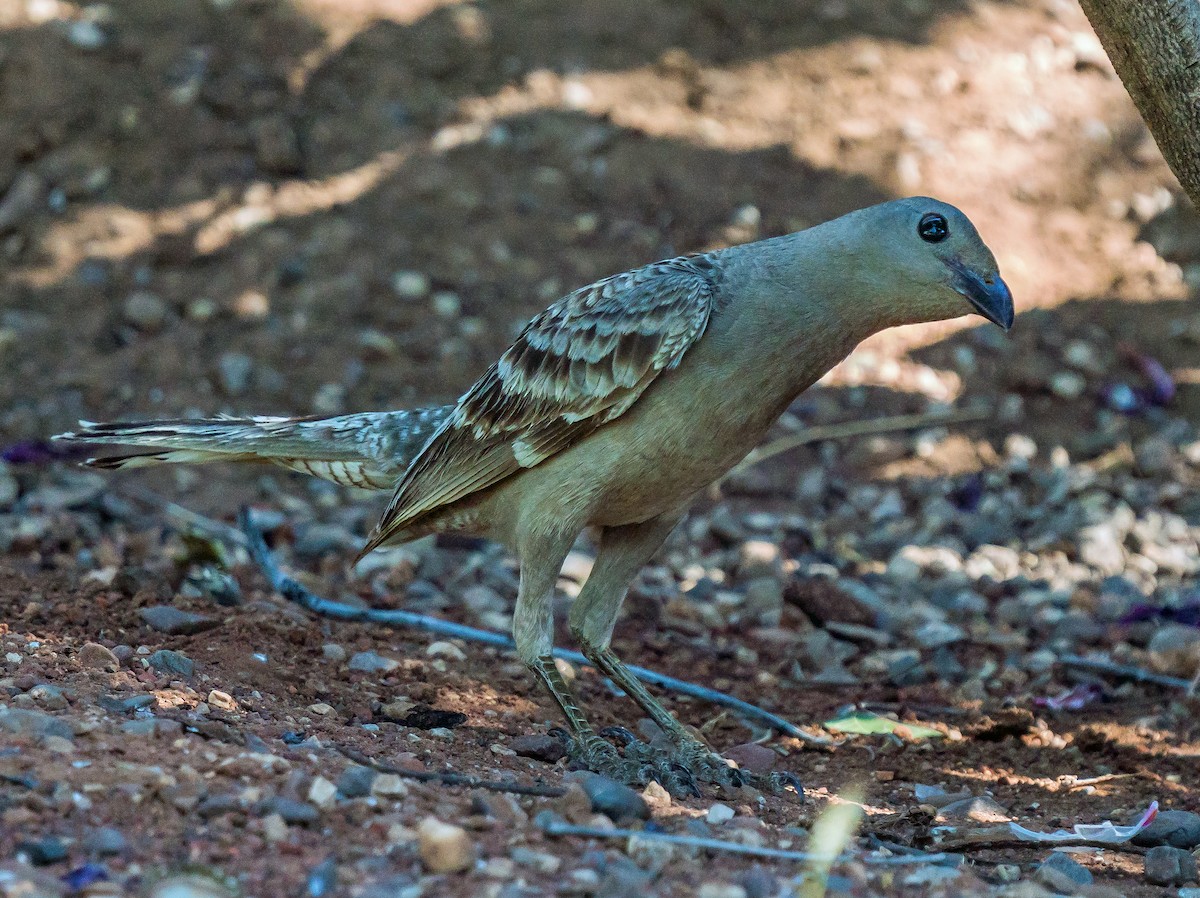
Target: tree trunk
(1155,47)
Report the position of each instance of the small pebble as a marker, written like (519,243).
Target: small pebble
(444,847)
(1166,865)
(175,621)
(146,311)
(719,813)
(98,657)
(169,661)
(371,662)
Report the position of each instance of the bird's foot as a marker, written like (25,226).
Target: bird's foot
(680,770)
(633,768)
(706,766)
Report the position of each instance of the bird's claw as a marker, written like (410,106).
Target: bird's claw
(680,771)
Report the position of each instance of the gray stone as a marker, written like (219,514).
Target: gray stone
(23,721)
(539,747)
(145,310)
(1180,829)
(105,840)
(291,810)
(125,705)
(1062,874)
(175,621)
(9,490)
(168,661)
(233,372)
(372,662)
(49,697)
(979,809)
(47,850)
(1169,866)
(609,797)
(355,781)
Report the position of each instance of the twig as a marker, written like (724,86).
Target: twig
(1124,671)
(554,827)
(1010,841)
(821,433)
(295,592)
(446,778)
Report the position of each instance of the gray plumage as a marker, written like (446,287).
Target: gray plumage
(613,408)
(369,449)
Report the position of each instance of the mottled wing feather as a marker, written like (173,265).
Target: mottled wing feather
(576,366)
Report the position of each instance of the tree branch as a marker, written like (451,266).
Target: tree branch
(1155,47)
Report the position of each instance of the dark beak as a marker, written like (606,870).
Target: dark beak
(989,295)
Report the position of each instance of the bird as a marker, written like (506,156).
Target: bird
(611,410)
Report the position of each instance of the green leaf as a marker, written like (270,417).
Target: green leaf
(867,724)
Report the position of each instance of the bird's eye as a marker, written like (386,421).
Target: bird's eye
(933,227)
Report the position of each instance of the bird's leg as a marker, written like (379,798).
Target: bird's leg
(622,553)
(533,632)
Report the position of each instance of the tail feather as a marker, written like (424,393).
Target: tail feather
(370,450)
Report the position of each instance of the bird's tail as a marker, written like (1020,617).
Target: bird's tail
(370,450)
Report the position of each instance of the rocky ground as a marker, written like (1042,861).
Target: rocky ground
(312,207)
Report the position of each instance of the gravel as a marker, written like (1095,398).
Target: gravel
(175,621)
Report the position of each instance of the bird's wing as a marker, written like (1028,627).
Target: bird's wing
(579,364)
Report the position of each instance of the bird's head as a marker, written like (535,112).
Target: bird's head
(924,261)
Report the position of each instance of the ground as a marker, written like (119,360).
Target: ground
(315,206)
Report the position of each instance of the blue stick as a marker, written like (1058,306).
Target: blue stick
(295,592)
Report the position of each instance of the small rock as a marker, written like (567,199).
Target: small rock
(720,890)
(1175,650)
(356,781)
(324,709)
(444,848)
(168,661)
(23,721)
(9,488)
(222,701)
(145,310)
(541,861)
(322,792)
(97,657)
(1007,872)
(389,785)
(444,649)
(410,284)
(48,850)
(539,747)
(980,809)
(49,697)
(609,797)
(1169,866)
(86,34)
(1068,384)
(22,200)
(719,813)
(105,840)
(333,652)
(292,811)
(233,372)
(275,828)
(1062,874)
(371,662)
(752,757)
(175,621)
(1180,829)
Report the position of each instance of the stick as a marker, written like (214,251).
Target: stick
(1124,671)
(554,827)
(823,432)
(295,592)
(446,778)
